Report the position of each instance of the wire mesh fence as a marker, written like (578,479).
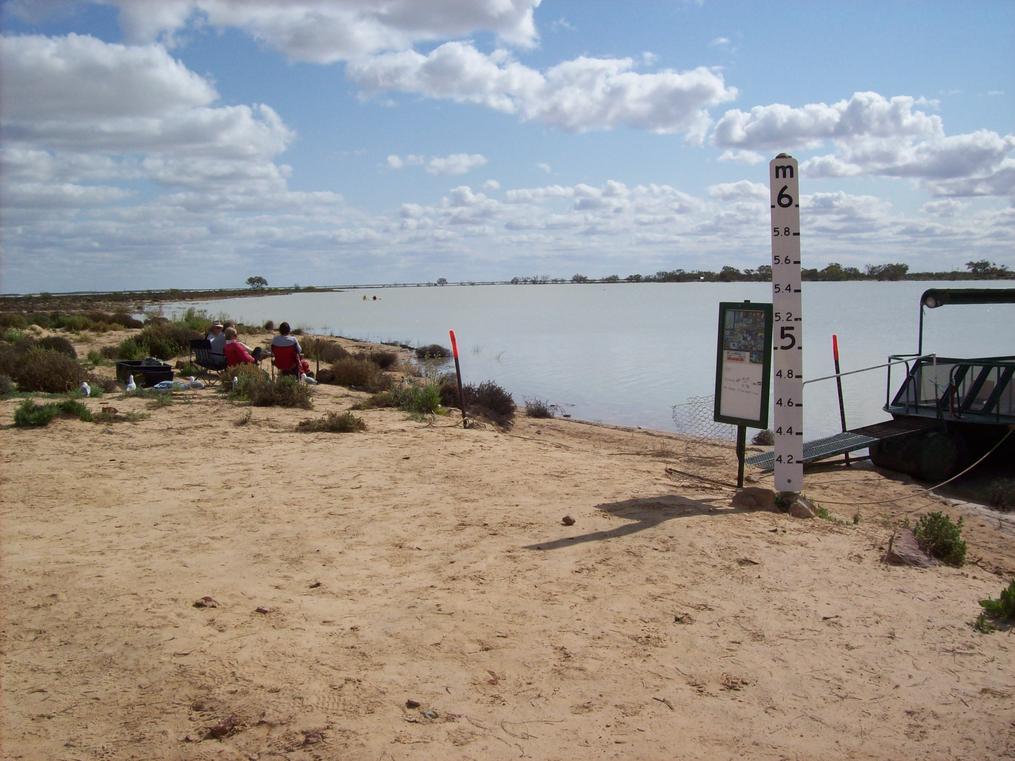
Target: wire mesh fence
(700,432)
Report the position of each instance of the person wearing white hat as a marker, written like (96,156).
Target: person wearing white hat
(217,338)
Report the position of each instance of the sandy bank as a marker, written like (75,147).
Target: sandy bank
(428,563)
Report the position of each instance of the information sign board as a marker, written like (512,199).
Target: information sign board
(743,363)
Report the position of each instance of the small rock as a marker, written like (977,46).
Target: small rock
(802,508)
(262,609)
(410,703)
(224,728)
(206,602)
(754,498)
(312,737)
(567,520)
(430,714)
(315,585)
(903,549)
(683,618)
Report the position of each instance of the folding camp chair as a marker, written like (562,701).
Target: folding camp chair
(286,359)
(214,365)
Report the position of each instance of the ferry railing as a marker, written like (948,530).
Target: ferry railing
(958,387)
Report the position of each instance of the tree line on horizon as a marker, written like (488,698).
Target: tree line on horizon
(975,270)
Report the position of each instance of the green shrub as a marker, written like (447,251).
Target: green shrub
(333,423)
(96,358)
(15,335)
(113,352)
(433,351)
(388,398)
(1003,608)
(41,319)
(47,370)
(359,374)
(158,339)
(129,348)
(7,386)
(260,390)
(76,322)
(420,400)
(166,340)
(32,415)
(940,537)
(269,325)
(58,343)
(13,320)
(537,408)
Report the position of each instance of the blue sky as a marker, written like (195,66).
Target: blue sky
(193,143)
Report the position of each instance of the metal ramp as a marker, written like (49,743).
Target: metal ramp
(849,441)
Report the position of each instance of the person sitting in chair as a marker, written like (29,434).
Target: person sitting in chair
(287,354)
(217,338)
(237,352)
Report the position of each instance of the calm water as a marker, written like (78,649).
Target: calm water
(627,353)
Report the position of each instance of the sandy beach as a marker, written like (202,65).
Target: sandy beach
(410,592)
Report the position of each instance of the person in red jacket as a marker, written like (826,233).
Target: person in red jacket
(237,352)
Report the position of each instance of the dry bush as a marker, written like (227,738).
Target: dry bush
(260,390)
(359,374)
(46,370)
(333,423)
(433,351)
(492,402)
(58,343)
(324,350)
(538,408)
(385,360)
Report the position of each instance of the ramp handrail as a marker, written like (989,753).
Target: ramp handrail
(872,367)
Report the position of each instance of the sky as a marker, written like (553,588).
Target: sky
(196,143)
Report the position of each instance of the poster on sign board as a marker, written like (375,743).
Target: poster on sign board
(743,363)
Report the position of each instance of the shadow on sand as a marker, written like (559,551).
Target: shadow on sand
(643,513)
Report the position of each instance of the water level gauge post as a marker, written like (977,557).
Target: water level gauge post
(787,314)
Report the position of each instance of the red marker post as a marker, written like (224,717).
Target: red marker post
(458,374)
(838,386)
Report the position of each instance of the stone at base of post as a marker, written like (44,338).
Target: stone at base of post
(795,504)
(783,499)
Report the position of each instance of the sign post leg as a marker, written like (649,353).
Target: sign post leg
(741,451)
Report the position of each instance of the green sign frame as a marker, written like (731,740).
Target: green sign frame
(743,347)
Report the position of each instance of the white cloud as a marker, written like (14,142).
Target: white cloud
(79,94)
(325,31)
(49,78)
(864,114)
(874,135)
(577,95)
(452,164)
(456,163)
(544,167)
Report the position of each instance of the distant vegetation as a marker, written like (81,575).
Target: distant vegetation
(834,272)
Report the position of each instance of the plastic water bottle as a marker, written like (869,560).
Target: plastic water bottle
(236,382)
(131,385)
(86,390)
